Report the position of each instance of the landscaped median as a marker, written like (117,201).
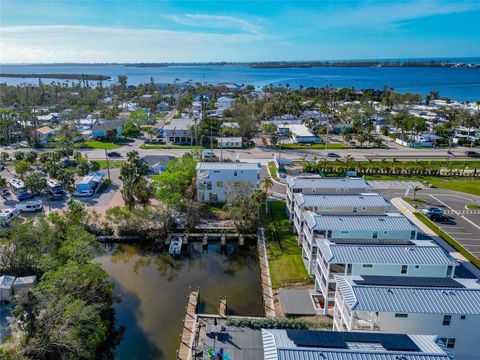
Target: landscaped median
(284,254)
(272,169)
(467,254)
(166,146)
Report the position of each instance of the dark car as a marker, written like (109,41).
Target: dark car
(25,196)
(438,217)
(114,154)
(472,154)
(55,197)
(67,163)
(333,155)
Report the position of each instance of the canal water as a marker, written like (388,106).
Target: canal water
(154,287)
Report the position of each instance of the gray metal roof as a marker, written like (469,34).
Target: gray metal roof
(358,222)
(228,166)
(422,252)
(296,302)
(278,346)
(411,299)
(327,182)
(352,200)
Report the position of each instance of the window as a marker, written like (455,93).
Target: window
(367,266)
(375,235)
(328,208)
(449,342)
(404,269)
(385,232)
(413,235)
(449,271)
(209,185)
(463,317)
(344,232)
(354,209)
(235,173)
(446,320)
(404,316)
(417,267)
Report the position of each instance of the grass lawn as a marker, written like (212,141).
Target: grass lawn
(469,256)
(164,146)
(112,163)
(473,206)
(284,257)
(96,144)
(469,185)
(273,170)
(330,146)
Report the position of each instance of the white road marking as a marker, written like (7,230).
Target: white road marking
(440,201)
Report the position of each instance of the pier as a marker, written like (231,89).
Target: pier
(267,292)
(187,337)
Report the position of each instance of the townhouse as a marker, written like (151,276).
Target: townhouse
(416,258)
(216,181)
(361,204)
(447,307)
(309,185)
(386,228)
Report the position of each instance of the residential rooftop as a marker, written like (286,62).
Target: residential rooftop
(318,182)
(419,252)
(228,166)
(388,221)
(351,200)
(410,294)
(179,124)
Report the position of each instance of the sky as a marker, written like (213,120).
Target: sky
(204,31)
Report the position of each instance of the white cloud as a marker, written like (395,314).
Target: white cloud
(222,22)
(67,43)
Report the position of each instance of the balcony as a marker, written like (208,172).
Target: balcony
(365,323)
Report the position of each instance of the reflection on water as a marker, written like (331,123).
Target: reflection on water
(5,317)
(154,290)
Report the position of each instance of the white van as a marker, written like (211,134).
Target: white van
(6,215)
(30,206)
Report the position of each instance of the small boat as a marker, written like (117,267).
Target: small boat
(175,247)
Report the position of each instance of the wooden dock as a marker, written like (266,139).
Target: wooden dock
(222,309)
(267,292)
(187,337)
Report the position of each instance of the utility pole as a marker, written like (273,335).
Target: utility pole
(108,165)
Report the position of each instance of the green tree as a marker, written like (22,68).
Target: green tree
(22,167)
(36,183)
(131,173)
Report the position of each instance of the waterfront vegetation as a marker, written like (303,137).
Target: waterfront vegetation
(457,246)
(284,254)
(270,323)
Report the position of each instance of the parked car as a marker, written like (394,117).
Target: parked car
(333,155)
(55,197)
(432,211)
(25,196)
(83,193)
(438,217)
(30,206)
(2,165)
(114,154)
(472,154)
(208,154)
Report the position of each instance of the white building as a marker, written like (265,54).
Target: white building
(224,103)
(299,134)
(447,307)
(418,258)
(218,180)
(179,131)
(320,185)
(229,142)
(361,204)
(358,229)
(281,344)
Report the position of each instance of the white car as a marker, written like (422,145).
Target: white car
(83,193)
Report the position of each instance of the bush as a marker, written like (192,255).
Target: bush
(270,323)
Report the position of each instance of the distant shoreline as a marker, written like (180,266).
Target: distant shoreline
(311,64)
(58,76)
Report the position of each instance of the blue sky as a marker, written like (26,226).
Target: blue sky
(181,31)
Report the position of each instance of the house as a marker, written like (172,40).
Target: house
(156,163)
(22,284)
(421,140)
(418,258)
(44,133)
(229,142)
(179,131)
(299,134)
(230,124)
(360,204)
(386,228)
(103,127)
(216,181)
(224,103)
(282,344)
(6,287)
(446,307)
(321,185)
(91,182)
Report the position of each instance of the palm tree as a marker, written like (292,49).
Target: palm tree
(415,190)
(266,184)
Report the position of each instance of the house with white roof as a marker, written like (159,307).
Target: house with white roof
(299,134)
(216,181)
(361,204)
(179,131)
(358,229)
(418,258)
(6,287)
(315,184)
(281,344)
(228,142)
(447,307)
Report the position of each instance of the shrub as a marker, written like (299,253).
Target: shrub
(270,323)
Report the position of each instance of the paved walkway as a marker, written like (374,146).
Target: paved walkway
(407,210)
(268,300)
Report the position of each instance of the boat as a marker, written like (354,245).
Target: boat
(175,247)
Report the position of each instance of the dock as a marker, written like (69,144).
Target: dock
(267,292)
(187,337)
(222,309)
